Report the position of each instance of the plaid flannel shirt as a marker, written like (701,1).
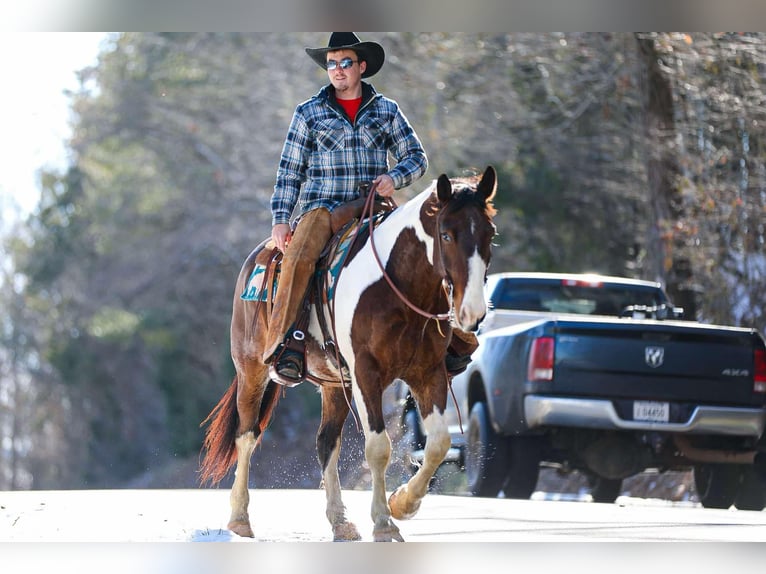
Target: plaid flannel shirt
(329,157)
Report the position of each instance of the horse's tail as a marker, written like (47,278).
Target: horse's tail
(219,448)
(220,451)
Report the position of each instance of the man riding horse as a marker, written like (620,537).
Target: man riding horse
(338,140)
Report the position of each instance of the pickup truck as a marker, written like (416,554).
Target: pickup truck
(602,375)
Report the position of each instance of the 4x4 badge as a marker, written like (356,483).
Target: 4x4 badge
(654,356)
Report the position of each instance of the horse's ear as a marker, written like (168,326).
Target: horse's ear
(488,184)
(444,188)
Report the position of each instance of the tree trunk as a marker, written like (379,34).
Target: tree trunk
(668,262)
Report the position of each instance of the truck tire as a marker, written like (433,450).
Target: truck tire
(752,491)
(524,466)
(604,489)
(717,484)
(486,455)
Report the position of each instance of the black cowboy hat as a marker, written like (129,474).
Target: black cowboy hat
(370,52)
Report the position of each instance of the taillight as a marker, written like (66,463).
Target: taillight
(759,380)
(582,283)
(540,367)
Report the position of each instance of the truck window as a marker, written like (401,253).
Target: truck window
(581,300)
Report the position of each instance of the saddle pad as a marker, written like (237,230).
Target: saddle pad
(254,289)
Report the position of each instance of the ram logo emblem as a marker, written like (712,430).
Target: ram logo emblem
(654,356)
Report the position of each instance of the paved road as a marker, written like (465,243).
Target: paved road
(450,534)
(298,515)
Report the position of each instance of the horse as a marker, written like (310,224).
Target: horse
(418,275)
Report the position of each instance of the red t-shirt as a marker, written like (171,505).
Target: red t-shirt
(351,107)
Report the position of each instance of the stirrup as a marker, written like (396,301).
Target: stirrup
(287,364)
(290,365)
(287,369)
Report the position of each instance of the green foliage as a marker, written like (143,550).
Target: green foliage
(59,231)
(113,324)
(189,386)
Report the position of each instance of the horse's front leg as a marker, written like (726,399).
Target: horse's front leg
(405,501)
(334,412)
(377,452)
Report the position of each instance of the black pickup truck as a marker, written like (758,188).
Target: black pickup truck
(601,375)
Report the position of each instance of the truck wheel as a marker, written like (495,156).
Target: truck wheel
(486,456)
(412,439)
(752,491)
(717,484)
(604,489)
(524,467)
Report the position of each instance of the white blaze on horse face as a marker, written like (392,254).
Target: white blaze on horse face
(474,307)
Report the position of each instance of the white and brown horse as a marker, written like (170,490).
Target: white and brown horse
(434,250)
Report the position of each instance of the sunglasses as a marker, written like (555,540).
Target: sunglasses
(344,64)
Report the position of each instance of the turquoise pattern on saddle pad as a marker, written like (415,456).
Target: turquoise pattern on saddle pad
(254,289)
(334,267)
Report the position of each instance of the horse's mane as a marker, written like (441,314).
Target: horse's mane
(463,189)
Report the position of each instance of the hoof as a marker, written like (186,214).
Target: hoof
(388,533)
(345,532)
(399,507)
(241,529)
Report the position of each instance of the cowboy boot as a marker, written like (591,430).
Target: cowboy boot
(297,268)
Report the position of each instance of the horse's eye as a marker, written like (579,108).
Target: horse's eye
(446,237)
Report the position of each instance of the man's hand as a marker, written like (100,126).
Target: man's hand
(281,235)
(385,185)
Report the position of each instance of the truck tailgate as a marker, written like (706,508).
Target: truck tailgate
(655,361)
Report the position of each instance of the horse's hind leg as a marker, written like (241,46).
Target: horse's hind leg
(239,499)
(405,500)
(334,412)
(254,406)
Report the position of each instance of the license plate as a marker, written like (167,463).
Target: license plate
(651,411)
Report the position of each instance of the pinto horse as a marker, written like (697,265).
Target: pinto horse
(401,294)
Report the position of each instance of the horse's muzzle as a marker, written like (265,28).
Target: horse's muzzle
(469,322)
